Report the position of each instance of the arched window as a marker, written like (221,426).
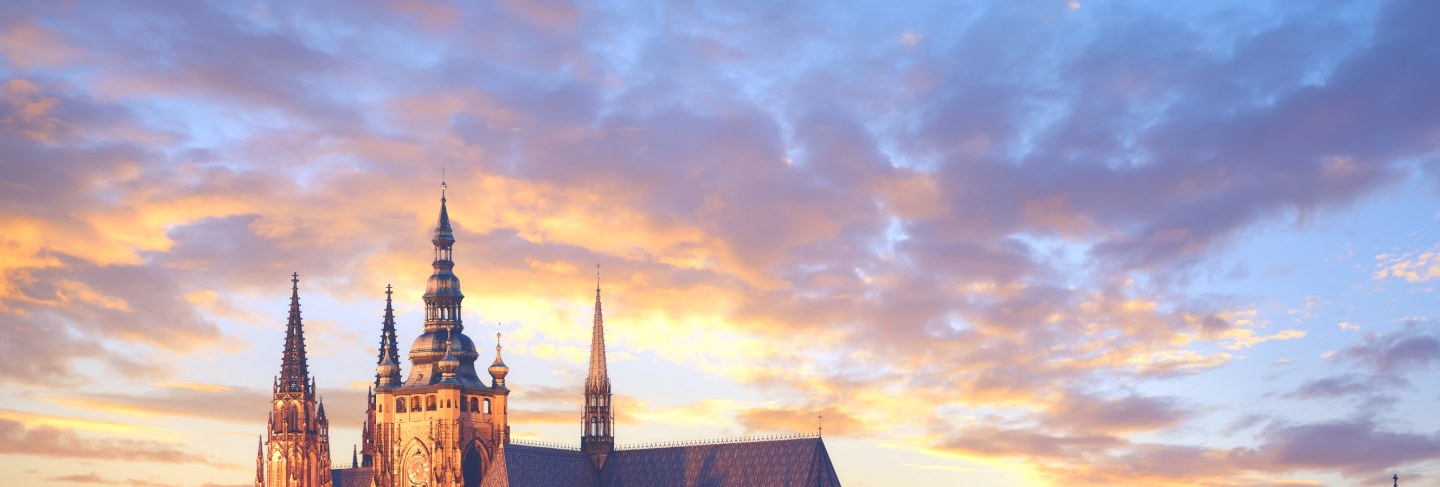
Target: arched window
(487,406)
(399,404)
(429,403)
(474,404)
(292,421)
(414,403)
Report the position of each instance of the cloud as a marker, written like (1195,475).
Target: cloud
(93,478)
(345,408)
(834,421)
(998,442)
(48,441)
(1414,266)
(966,219)
(1354,447)
(1336,386)
(1129,414)
(1409,349)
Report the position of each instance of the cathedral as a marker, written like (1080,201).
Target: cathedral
(444,425)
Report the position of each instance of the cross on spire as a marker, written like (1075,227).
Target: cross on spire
(387,363)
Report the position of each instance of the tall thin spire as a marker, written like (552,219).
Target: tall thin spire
(294,369)
(597,436)
(387,364)
(598,377)
(260,461)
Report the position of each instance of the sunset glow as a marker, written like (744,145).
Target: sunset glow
(981,243)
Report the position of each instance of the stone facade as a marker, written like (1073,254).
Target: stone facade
(445,426)
(297,452)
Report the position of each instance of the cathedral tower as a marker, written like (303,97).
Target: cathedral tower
(597,435)
(443,424)
(298,450)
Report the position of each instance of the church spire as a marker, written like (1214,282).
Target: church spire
(260,461)
(387,365)
(442,290)
(597,437)
(598,377)
(442,315)
(443,232)
(292,426)
(294,371)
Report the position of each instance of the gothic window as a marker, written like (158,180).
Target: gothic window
(399,404)
(475,404)
(414,403)
(429,403)
(487,406)
(291,418)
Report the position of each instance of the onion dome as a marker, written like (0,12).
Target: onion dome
(385,370)
(448,364)
(498,370)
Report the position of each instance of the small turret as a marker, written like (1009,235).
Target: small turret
(448,364)
(498,370)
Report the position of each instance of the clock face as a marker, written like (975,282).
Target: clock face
(417,468)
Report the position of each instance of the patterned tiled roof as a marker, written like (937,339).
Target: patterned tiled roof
(789,463)
(533,466)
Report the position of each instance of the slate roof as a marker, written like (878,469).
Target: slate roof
(780,463)
(533,466)
(792,462)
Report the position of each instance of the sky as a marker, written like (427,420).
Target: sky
(1038,243)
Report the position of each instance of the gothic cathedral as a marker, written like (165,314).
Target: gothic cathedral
(445,426)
